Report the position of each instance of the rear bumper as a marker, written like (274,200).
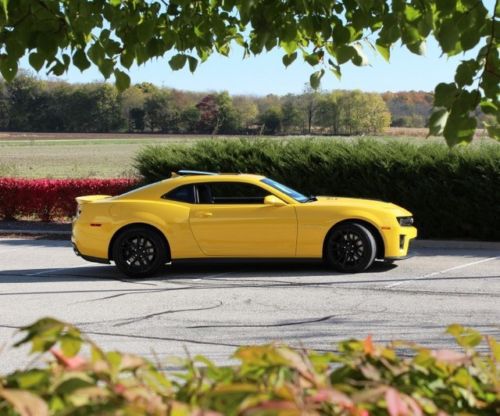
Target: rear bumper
(90,242)
(88,258)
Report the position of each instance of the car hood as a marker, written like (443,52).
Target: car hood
(370,204)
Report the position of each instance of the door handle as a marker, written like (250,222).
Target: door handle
(205,214)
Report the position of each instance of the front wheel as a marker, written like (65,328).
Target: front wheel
(139,252)
(350,248)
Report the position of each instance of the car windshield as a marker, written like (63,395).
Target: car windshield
(286,190)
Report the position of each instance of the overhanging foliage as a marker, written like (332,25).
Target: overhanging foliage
(114,34)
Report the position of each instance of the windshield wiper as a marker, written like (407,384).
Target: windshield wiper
(311,198)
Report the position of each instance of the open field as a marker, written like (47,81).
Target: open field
(82,155)
(73,157)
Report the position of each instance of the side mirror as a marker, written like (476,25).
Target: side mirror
(274,201)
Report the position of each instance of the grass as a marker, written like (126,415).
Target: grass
(65,155)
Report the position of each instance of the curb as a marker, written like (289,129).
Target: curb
(34,232)
(443,244)
(456,244)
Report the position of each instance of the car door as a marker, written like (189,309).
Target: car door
(231,220)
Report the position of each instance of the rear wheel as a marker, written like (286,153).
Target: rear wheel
(350,247)
(139,252)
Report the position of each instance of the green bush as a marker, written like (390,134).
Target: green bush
(360,379)
(452,193)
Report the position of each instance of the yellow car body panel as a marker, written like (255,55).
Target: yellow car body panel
(292,229)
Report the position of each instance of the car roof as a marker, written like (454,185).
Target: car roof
(218,177)
(166,185)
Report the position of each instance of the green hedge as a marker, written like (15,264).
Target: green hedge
(360,379)
(452,193)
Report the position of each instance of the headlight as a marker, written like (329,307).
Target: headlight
(405,221)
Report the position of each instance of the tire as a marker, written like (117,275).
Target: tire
(350,248)
(139,252)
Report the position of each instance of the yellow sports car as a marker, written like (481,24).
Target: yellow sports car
(195,215)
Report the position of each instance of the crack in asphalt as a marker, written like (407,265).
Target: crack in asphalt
(322,319)
(129,321)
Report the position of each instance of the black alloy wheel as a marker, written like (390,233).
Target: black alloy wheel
(350,247)
(139,252)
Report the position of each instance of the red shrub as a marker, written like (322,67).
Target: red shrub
(49,198)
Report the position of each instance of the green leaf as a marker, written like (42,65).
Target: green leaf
(193,63)
(418,48)
(383,50)
(466,101)
(80,60)
(74,383)
(57,69)
(359,58)
(344,53)
(127,58)
(437,121)
(8,68)
(335,69)
(114,359)
(470,38)
(494,347)
(489,108)
(36,60)
(177,62)
(288,59)
(446,6)
(5,4)
(411,13)
(315,78)
(115,2)
(466,337)
(96,53)
(312,58)
(448,36)
(106,67)
(30,379)
(71,344)
(145,30)
(445,94)
(341,34)
(459,130)
(466,72)
(289,46)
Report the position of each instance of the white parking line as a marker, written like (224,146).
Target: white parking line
(462,266)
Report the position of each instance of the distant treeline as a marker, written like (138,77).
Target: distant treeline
(30,104)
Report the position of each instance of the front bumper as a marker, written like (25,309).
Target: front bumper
(397,242)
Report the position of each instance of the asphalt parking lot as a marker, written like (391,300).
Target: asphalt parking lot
(212,308)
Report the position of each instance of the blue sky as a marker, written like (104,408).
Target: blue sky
(265,74)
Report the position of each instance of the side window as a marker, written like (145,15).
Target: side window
(230,193)
(182,194)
